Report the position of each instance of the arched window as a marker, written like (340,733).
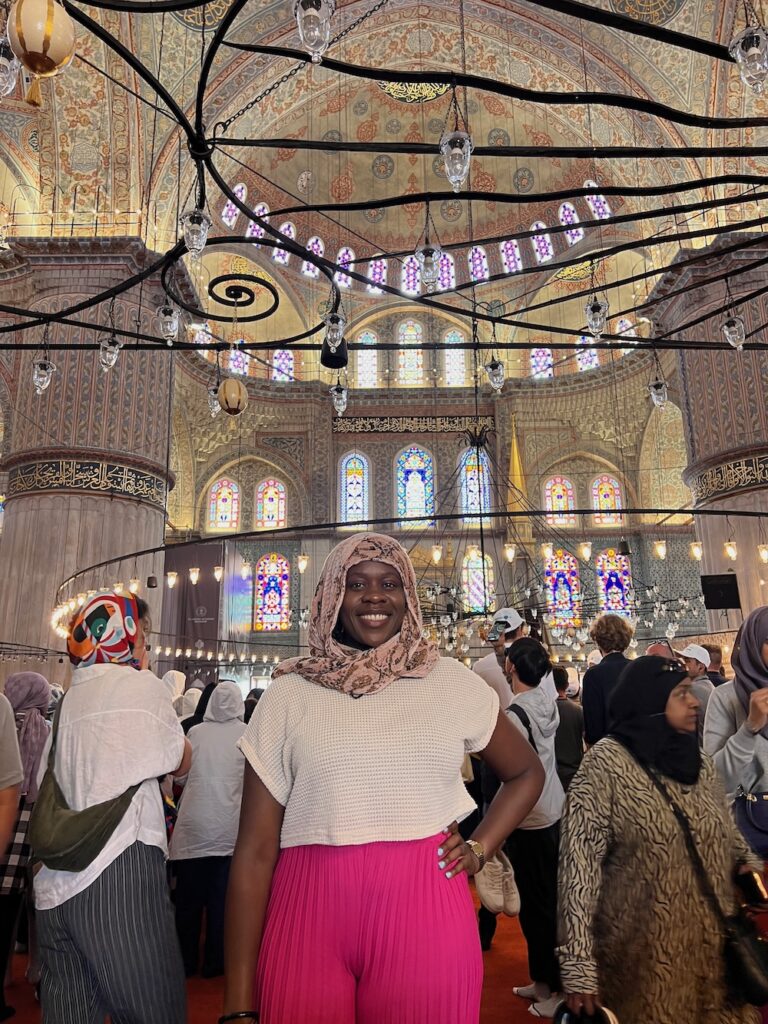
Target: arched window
(563,588)
(202,334)
(410,361)
(477,582)
(367,360)
(239,361)
(272,594)
(224,505)
(570,220)
(230,213)
(270,504)
(510,256)
(282,365)
(474,485)
(587,357)
(314,245)
(559,501)
(455,360)
(627,330)
(446,279)
(282,255)
(606,500)
(410,276)
(377,274)
(598,204)
(542,365)
(415,479)
(353,488)
(478,263)
(344,259)
(255,230)
(542,243)
(613,575)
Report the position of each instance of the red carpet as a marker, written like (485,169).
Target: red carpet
(505,966)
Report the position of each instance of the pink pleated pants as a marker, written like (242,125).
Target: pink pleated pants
(371,934)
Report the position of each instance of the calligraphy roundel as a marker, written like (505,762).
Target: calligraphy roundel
(210,15)
(657,12)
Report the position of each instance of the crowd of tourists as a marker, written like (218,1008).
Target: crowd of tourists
(314,843)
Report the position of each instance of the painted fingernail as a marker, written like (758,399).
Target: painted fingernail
(441,864)
(440,851)
(449,874)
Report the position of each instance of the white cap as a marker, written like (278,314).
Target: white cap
(506,620)
(699,653)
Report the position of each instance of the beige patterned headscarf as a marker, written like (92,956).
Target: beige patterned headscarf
(337,667)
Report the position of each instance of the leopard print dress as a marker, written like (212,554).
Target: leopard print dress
(634,926)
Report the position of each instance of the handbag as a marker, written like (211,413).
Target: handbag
(745,950)
(496,887)
(67,840)
(751,813)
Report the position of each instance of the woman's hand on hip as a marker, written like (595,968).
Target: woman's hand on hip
(453,854)
(582,1001)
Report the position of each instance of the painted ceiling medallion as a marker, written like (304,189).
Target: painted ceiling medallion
(413,92)
(657,12)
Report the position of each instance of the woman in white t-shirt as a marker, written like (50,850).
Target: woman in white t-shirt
(348,884)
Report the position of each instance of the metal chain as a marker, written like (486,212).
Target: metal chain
(225,125)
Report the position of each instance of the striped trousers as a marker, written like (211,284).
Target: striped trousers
(112,949)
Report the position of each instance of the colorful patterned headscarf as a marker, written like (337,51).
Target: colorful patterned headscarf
(104,631)
(337,667)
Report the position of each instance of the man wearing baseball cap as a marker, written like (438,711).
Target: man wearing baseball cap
(507,626)
(697,662)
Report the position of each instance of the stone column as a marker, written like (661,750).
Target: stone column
(87,465)
(723,399)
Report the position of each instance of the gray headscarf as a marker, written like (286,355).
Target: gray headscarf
(750,672)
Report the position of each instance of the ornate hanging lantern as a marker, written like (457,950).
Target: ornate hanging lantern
(495,371)
(334,333)
(456,147)
(750,51)
(658,392)
(42,35)
(339,396)
(109,350)
(734,331)
(429,257)
(213,401)
(10,65)
(597,315)
(195,224)
(168,320)
(313,19)
(42,374)
(233,396)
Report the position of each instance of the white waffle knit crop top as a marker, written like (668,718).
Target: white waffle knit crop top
(378,768)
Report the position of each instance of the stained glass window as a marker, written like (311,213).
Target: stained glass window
(613,575)
(344,259)
(563,588)
(254,229)
(270,504)
(570,220)
(224,505)
(455,360)
(587,357)
(202,334)
(627,330)
(446,279)
(478,263)
(239,361)
(282,255)
(542,365)
(477,582)
(230,213)
(272,594)
(559,501)
(410,361)
(542,243)
(415,478)
(410,276)
(282,365)
(367,360)
(353,488)
(598,204)
(510,256)
(474,485)
(377,274)
(316,246)
(606,500)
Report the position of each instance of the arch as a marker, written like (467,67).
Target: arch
(587,357)
(255,230)
(447,276)
(415,484)
(367,361)
(455,359)
(410,276)
(354,488)
(563,588)
(377,274)
(345,259)
(230,212)
(543,249)
(478,263)
(542,364)
(282,365)
(569,218)
(410,361)
(598,204)
(282,255)
(613,576)
(478,583)
(271,505)
(317,246)
(474,485)
(223,506)
(663,457)
(272,594)
(510,255)
(560,501)
(606,500)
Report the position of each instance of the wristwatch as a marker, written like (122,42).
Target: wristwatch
(479,852)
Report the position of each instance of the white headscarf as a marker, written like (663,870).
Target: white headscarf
(226,703)
(175,682)
(185,705)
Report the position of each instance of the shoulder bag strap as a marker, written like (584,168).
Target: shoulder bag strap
(519,713)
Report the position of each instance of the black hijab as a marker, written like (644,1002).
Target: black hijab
(199,714)
(640,723)
(749,669)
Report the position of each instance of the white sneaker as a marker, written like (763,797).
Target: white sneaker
(547,1007)
(535,991)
